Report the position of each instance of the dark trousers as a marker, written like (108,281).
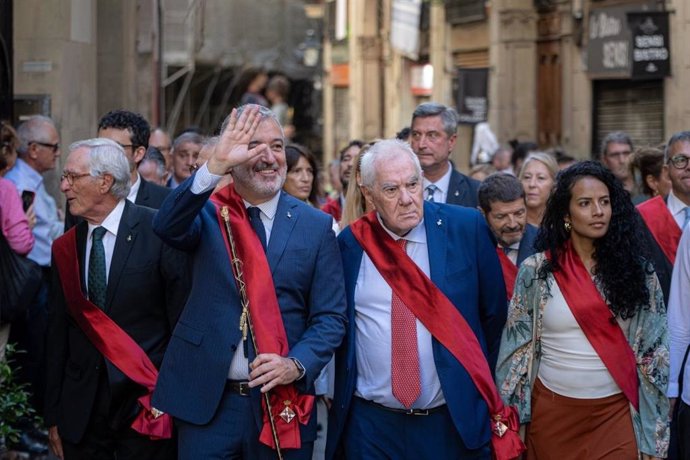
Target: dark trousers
(682,423)
(231,434)
(373,433)
(102,441)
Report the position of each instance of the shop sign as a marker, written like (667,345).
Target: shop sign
(651,54)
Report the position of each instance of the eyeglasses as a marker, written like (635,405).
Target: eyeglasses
(53,147)
(126,146)
(679,161)
(71,177)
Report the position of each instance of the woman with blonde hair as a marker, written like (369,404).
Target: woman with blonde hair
(355,204)
(538,176)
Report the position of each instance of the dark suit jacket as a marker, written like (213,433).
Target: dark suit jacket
(308,277)
(147,287)
(149,195)
(526,248)
(462,190)
(465,267)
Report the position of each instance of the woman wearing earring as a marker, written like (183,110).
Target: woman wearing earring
(584,352)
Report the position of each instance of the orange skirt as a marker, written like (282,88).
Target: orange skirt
(565,428)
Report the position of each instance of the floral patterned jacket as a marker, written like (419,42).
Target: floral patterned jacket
(646,335)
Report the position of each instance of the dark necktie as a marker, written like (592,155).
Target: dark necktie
(405,374)
(255,219)
(97,278)
(430,191)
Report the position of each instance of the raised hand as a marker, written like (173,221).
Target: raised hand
(233,147)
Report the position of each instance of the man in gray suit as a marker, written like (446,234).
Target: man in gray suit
(433,136)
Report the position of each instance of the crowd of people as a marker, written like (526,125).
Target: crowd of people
(204,297)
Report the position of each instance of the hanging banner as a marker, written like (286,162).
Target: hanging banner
(405,27)
(651,53)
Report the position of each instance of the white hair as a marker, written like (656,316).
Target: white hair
(388,149)
(107,157)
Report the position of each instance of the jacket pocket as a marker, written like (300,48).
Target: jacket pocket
(188,334)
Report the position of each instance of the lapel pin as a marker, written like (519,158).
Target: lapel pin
(439,222)
(289,215)
(129,237)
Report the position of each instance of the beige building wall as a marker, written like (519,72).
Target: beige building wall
(676,94)
(512,79)
(61,36)
(124,77)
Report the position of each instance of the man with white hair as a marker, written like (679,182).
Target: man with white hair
(117,294)
(426,308)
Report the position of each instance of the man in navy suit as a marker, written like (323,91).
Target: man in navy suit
(433,136)
(502,201)
(392,401)
(212,380)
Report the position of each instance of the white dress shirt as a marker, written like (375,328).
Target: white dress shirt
(512,252)
(679,319)
(132,197)
(373,332)
(676,208)
(111,224)
(442,185)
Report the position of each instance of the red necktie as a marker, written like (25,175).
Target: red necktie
(405,376)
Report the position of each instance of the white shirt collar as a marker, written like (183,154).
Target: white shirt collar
(134,189)
(443,183)
(416,235)
(674,204)
(112,221)
(268,208)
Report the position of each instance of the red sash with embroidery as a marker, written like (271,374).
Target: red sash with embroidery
(267,321)
(446,324)
(109,338)
(509,270)
(663,226)
(597,322)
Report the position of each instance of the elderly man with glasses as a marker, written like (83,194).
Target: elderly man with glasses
(666,217)
(117,292)
(39,149)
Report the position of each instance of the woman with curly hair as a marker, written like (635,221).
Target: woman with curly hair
(584,353)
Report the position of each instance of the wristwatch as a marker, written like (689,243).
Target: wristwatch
(300,368)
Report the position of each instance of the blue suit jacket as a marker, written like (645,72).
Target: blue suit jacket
(526,248)
(308,277)
(464,266)
(462,190)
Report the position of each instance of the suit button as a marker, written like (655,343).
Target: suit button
(98,366)
(233,348)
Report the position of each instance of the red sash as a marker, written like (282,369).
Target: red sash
(445,323)
(109,338)
(663,226)
(267,321)
(510,271)
(597,322)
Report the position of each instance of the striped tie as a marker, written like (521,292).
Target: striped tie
(430,190)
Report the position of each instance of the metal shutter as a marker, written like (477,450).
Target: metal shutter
(636,108)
